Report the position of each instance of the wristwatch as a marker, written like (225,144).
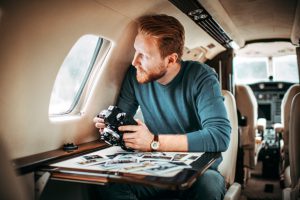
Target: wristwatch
(155,143)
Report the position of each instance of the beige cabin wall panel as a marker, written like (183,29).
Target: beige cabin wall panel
(35,37)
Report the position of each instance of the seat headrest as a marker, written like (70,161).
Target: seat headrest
(228,165)
(286,105)
(247,104)
(294,140)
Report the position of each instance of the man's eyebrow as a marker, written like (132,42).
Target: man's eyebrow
(142,52)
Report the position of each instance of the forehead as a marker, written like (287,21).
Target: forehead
(145,44)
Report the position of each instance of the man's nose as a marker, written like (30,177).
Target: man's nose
(135,60)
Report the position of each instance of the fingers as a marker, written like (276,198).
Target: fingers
(99,123)
(129,136)
(132,141)
(129,128)
(131,145)
(101,130)
(98,120)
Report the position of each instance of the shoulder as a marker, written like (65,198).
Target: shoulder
(196,69)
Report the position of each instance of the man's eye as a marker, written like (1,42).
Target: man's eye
(144,57)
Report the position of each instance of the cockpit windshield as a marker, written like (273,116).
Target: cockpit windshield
(248,70)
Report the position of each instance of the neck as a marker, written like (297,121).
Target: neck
(172,71)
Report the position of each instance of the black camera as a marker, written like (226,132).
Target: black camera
(113,118)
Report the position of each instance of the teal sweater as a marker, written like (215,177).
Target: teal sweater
(190,104)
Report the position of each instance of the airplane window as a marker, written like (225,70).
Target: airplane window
(285,64)
(73,74)
(250,70)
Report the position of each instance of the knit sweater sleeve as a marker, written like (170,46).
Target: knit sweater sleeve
(214,135)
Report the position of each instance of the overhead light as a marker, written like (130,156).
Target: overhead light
(234,45)
(195,12)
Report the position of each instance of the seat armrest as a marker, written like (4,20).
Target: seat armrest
(233,192)
(286,193)
(290,193)
(287,177)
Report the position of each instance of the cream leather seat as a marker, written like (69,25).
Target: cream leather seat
(285,119)
(294,149)
(228,165)
(247,106)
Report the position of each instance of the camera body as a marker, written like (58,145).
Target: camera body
(113,118)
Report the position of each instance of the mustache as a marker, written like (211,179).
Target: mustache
(141,69)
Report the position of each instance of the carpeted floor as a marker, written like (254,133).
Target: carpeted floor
(259,188)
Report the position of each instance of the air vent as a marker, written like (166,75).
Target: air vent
(194,10)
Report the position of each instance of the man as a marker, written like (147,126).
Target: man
(181,103)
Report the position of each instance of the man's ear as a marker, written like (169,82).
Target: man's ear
(172,58)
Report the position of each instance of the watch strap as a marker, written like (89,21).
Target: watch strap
(155,138)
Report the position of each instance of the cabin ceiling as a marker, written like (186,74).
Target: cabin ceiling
(266,49)
(261,19)
(252,20)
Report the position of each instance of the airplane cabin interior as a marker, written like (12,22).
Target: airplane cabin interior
(63,61)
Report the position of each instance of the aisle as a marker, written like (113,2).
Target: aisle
(259,188)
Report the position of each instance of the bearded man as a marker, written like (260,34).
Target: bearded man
(182,106)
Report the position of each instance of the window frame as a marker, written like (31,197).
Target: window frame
(75,109)
(86,77)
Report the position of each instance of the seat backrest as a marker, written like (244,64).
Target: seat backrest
(247,105)
(10,187)
(228,165)
(285,115)
(294,140)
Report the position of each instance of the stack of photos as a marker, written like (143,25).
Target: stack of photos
(147,163)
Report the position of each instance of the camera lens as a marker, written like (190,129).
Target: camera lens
(110,137)
(120,118)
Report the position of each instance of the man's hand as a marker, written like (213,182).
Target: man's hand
(137,136)
(99,123)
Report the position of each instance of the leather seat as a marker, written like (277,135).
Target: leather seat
(294,148)
(285,119)
(228,166)
(247,106)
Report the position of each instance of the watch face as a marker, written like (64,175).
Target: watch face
(154,145)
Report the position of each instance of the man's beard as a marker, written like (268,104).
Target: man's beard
(143,76)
